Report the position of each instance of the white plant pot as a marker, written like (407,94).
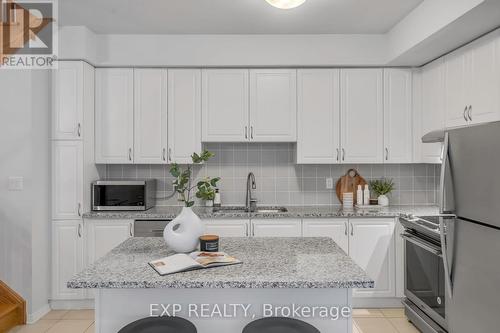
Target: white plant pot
(383,200)
(183,233)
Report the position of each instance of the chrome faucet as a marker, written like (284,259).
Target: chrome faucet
(251,203)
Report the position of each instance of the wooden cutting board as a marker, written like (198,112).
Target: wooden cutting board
(349,183)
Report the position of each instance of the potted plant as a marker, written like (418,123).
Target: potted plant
(382,187)
(182,234)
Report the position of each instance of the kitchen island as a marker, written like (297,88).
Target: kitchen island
(277,276)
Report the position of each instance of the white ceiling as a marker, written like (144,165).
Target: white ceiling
(234,16)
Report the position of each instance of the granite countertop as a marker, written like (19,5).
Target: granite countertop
(293,212)
(267,263)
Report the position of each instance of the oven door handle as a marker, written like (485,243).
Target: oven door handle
(423,244)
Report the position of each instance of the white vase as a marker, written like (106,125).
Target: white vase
(183,233)
(383,200)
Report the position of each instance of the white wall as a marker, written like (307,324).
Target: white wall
(24,215)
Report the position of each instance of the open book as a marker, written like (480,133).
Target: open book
(196,260)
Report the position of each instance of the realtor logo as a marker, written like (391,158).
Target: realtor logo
(28,34)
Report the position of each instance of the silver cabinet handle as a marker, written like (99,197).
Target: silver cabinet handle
(338,154)
(251,132)
(79,209)
(465,111)
(170,154)
(469,113)
(79,130)
(343,154)
(246,229)
(163,153)
(130,230)
(130,154)
(246,132)
(352,229)
(386,153)
(345,228)
(79,230)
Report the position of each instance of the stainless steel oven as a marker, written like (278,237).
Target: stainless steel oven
(123,194)
(425,288)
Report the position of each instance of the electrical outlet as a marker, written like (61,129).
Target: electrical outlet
(329,183)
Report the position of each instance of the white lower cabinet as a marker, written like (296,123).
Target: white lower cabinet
(228,228)
(337,229)
(371,246)
(276,228)
(104,235)
(67,258)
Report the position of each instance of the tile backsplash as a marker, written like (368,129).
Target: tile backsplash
(282,182)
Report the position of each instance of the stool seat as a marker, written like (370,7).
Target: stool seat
(279,325)
(160,325)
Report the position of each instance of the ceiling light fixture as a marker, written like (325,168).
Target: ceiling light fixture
(285,4)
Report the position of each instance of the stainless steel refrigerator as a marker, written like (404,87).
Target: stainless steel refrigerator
(470,189)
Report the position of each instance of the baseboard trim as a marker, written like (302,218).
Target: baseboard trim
(80,304)
(393,302)
(38,314)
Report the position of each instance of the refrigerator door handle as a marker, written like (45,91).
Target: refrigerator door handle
(444,250)
(442,182)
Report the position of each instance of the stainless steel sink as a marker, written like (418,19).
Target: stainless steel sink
(236,210)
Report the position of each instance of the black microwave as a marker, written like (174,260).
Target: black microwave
(123,194)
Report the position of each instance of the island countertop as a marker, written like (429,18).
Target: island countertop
(267,263)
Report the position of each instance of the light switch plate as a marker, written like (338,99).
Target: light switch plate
(16,183)
(329,183)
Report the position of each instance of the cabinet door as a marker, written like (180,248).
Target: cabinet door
(456,97)
(225,105)
(371,246)
(227,228)
(318,96)
(276,228)
(336,229)
(67,180)
(67,113)
(398,133)
(150,116)
(361,113)
(273,105)
(184,114)
(114,122)
(484,80)
(67,257)
(104,235)
(433,115)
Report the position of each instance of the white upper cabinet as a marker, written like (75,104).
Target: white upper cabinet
(432,109)
(68,98)
(472,82)
(184,114)
(398,133)
(456,98)
(150,116)
(273,105)
(225,105)
(361,114)
(372,246)
(318,96)
(114,124)
(484,80)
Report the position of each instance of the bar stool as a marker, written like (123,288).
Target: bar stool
(279,325)
(160,325)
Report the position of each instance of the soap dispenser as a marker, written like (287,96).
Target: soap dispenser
(359,196)
(366,195)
